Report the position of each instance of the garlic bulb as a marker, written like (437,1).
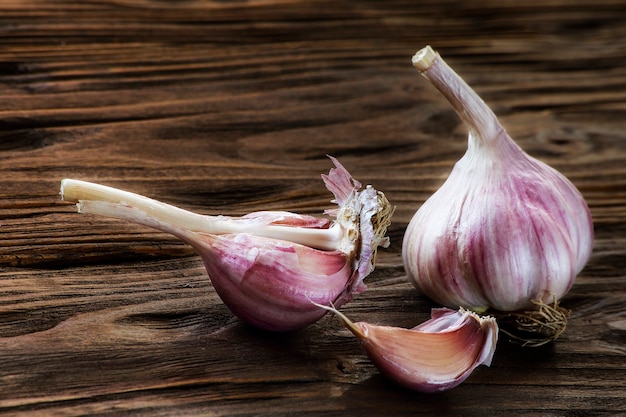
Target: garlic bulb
(436,355)
(267,266)
(505,231)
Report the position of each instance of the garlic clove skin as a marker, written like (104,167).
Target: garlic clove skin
(505,230)
(434,356)
(267,266)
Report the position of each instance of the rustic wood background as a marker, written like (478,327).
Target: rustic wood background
(227,107)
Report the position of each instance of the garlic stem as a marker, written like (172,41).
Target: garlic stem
(469,106)
(77,191)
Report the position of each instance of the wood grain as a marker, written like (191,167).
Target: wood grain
(231,107)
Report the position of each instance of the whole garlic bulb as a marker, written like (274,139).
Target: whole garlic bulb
(505,231)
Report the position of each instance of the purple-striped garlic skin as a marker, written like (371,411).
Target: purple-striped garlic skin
(434,356)
(505,229)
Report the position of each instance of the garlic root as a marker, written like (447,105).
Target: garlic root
(534,328)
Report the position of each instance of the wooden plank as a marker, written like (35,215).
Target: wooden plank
(232,107)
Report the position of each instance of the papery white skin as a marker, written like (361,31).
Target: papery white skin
(434,356)
(267,266)
(505,229)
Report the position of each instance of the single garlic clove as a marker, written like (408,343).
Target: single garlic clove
(437,355)
(269,283)
(505,231)
(267,266)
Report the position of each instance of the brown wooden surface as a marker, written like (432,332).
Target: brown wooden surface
(227,107)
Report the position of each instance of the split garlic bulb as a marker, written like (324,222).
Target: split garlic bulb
(505,231)
(268,266)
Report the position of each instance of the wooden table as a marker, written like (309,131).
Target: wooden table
(230,107)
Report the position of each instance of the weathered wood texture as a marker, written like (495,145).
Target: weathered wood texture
(230,107)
